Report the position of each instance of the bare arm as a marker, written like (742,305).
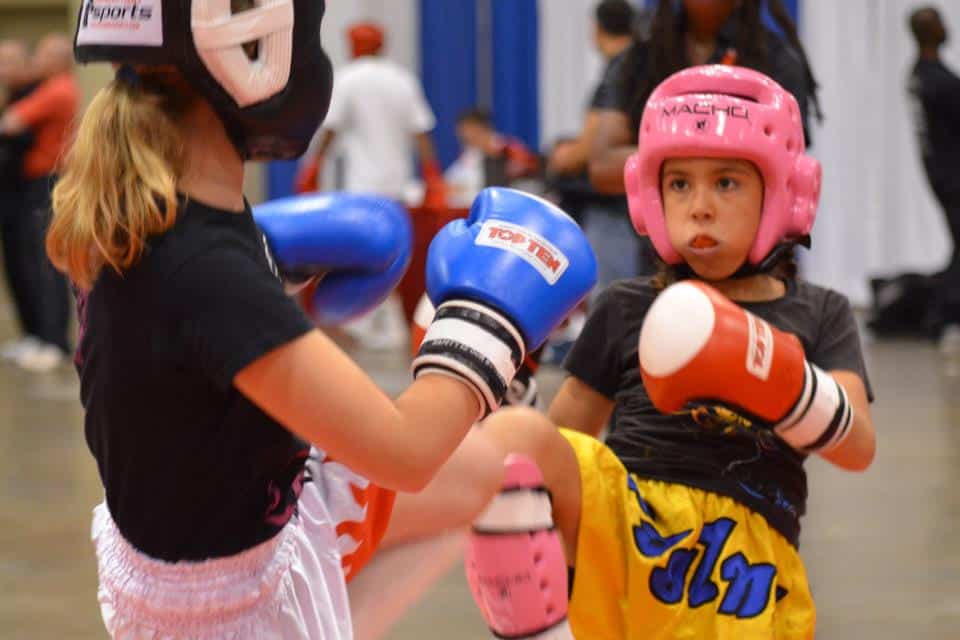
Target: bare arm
(311,387)
(425,147)
(11,124)
(571,157)
(577,406)
(857,450)
(611,145)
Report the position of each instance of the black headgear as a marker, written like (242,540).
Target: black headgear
(271,104)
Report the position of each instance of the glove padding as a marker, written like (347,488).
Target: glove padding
(356,246)
(502,278)
(695,343)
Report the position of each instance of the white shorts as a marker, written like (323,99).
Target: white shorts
(290,587)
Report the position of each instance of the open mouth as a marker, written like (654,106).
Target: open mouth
(703,241)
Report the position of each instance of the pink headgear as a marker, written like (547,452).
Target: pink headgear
(720,111)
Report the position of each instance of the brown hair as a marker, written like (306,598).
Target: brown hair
(119,184)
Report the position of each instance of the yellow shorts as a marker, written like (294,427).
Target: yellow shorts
(657,560)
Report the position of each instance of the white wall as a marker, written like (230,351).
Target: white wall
(399,18)
(877,215)
(570,66)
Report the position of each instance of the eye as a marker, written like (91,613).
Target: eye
(727,183)
(678,184)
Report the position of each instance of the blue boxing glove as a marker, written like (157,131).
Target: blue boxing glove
(358,246)
(502,280)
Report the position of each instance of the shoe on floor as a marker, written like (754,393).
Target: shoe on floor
(40,357)
(11,350)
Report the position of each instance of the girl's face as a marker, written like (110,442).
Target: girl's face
(712,208)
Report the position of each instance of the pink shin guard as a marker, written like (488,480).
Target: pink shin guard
(515,563)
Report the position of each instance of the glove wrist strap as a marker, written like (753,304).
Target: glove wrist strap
(475,343)
(821,417)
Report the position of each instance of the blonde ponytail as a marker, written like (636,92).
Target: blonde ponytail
(119,184)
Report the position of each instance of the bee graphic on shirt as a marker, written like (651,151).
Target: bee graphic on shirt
(719,418)
(729,422)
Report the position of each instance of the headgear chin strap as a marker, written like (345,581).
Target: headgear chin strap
(718,111)
(684,271)
(271,103)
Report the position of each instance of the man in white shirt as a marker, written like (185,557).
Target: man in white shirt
(378,115)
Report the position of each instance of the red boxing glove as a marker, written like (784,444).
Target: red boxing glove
(308,177)
(697,344)
(435,190)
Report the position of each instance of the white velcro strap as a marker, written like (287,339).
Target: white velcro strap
(477,339)
(516,510)
(487,311)
(822,416)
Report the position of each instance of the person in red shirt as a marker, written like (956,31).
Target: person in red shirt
(489,158)
(16,82)
(47,113)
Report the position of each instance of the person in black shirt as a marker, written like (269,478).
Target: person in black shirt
(725,371)
(701,32)
(15,230)
(604,217)
(934,92)
(204,384)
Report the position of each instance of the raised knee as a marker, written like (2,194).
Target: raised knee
(520,419)
(522,430)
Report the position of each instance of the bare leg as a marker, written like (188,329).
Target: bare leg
(531,433)
(516,561)
(426,533)
(425,538)
(397,578)
(459,491)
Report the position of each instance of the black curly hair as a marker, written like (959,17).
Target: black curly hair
(665,51)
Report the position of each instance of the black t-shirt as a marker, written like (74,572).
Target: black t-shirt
(709,446)
(191,468)
(618,90)
(13,148)
(935,94)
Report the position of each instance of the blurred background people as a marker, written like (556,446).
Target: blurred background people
(604,217)
(688,33)
(47,114)
(488,159)
(934,90)
(16,82)
(378,119)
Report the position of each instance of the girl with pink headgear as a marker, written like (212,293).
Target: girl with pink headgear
(723,373)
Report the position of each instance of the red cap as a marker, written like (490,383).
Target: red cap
(366,38)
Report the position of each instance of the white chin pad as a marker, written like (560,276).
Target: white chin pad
(677,326)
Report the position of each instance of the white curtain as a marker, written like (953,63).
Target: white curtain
(570,66)
(877,215)
(400,20)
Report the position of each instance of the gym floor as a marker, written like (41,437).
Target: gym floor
(882,550)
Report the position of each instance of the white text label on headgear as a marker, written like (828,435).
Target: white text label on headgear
(536,250)
(135,23)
